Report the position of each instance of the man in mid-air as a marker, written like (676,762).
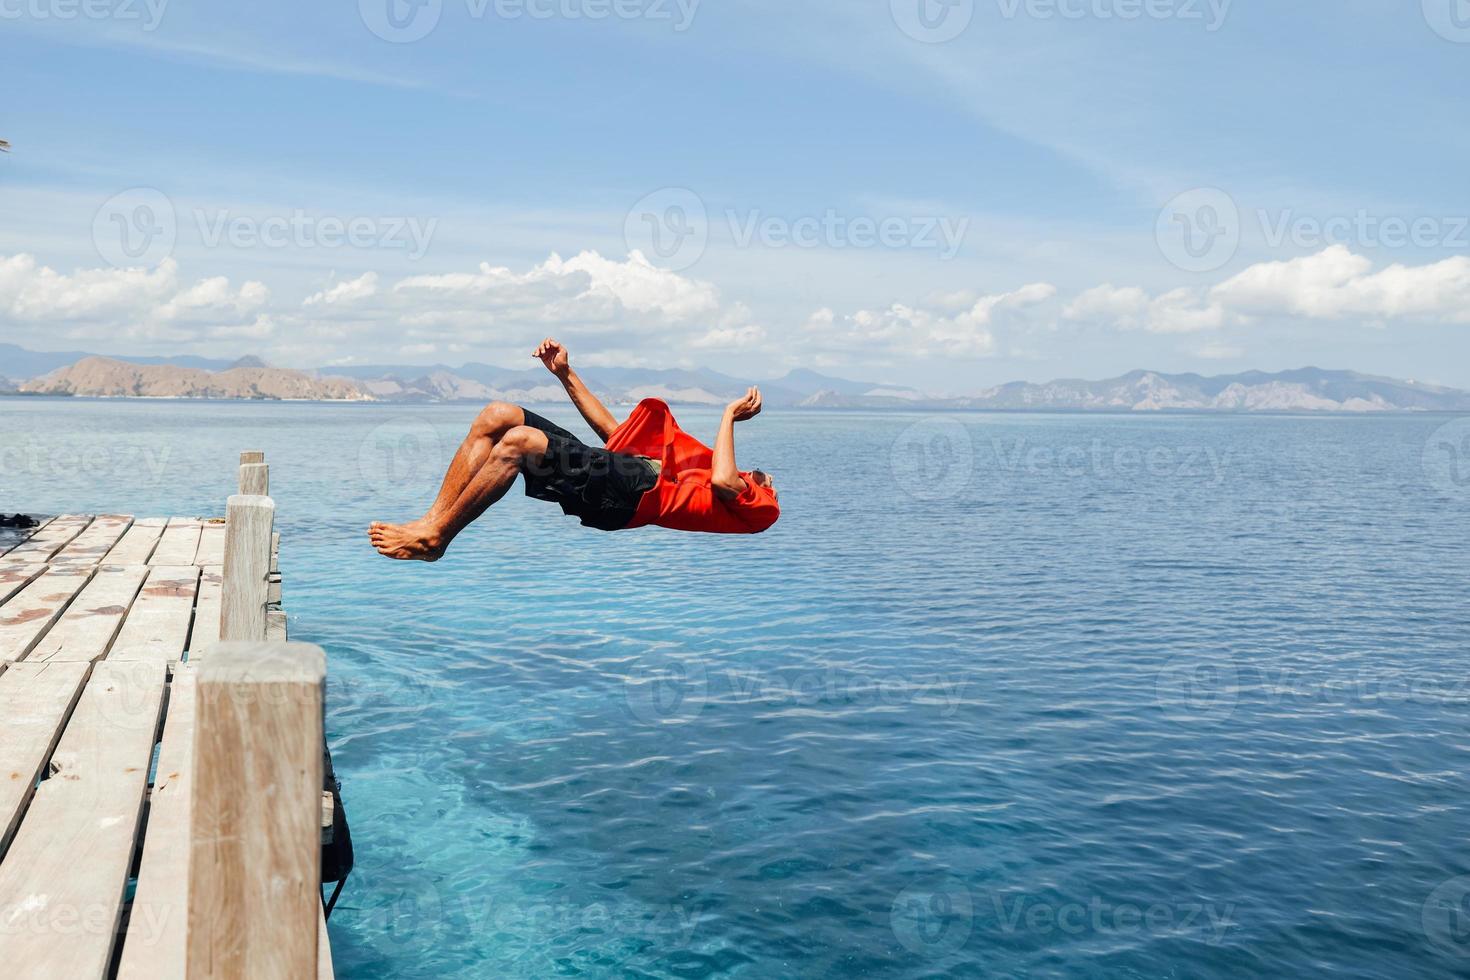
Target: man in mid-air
(649,471)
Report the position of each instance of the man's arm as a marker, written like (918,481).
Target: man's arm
(725,476)
(554,356)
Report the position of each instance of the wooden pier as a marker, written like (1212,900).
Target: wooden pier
(161,804)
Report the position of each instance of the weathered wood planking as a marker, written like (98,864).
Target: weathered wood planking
(205,632)
(154,948)
(179,544)
(157,627)
(12,536)
(63,878)
(26,617)
(50,539)
(15,576)
(89,547)
(137,545)
(86,630)
(211,544)
(35,700)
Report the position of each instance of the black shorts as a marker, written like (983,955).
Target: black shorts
(601,487)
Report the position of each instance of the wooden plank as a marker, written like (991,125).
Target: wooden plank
(254,892)
(138,543)
(25,619)
(211,544)
(248,522)
(179,544)
(35,700)
(154,948)
(12,536)
(63,879)
(252,456)
(93,544)
(86,630)
(157,627)
(324,969)
(49,539)
(205,631)
(15,576)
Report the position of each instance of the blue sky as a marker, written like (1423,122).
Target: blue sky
(950,193)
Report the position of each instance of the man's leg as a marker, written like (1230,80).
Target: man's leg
(427,538)
(493,422)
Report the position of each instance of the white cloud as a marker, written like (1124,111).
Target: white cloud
(1335,283)
(136,302)
(915,330)
(346,291)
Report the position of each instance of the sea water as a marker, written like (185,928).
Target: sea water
(1001,695)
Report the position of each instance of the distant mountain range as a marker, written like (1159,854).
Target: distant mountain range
(1307,389)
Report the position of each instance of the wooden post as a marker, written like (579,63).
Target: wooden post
(248,521)
(255,479)
(252,456)
(255,839)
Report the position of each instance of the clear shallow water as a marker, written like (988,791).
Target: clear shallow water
(1001,695)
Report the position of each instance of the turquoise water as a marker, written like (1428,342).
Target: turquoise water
(1001,695)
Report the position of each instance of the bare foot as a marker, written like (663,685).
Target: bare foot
(414,541)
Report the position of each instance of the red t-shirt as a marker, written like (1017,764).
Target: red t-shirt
(683,498)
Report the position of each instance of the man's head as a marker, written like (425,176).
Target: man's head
(762,478)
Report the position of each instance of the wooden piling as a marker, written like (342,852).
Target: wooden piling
(254,899)
(248,522)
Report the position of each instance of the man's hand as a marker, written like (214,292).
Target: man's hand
(747,407)
(554,356)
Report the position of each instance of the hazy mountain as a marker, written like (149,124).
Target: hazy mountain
(19,364)
(1303,390)
(103,377)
